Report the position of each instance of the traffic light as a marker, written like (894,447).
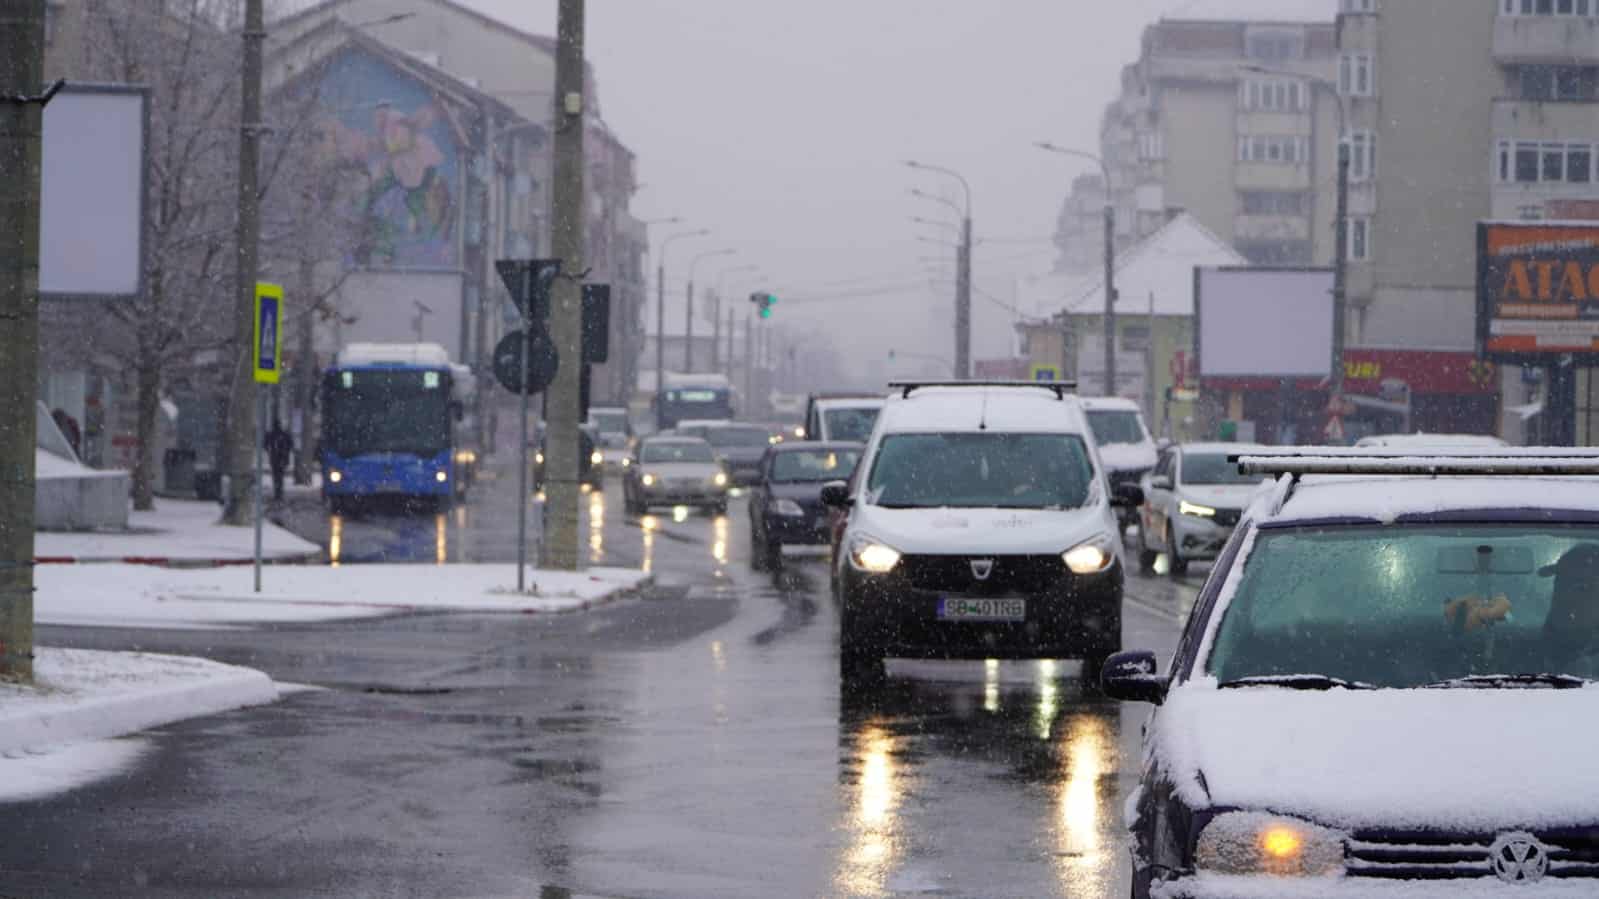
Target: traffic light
(764,303)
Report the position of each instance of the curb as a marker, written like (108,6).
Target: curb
(178,561)
(607,599)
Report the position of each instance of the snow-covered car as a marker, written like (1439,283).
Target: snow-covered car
(1388,686)
(849,417)
(1122,440)
(674,470)
(1192,501)
(980,526)
(1430,441)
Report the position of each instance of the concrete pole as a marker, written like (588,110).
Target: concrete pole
(660,322)
(21,75)
(749,365)
(716,331)
(1110,292)
(963,303)
(730,342)
(1340,267)
(688,328)
(305,372)
(237,439)
(566,295)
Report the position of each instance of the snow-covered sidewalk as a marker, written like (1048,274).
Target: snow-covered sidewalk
(144,596)
(177,531)
(58,733)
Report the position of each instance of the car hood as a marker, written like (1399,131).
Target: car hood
(681,469)
(803,492)
(1220,496)
(1456,760)
(743,455)
(966,531)
(1127,456)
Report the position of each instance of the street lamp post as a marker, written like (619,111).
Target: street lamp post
(1110,267)
(963,291)
(688,309)
(660,305)
(1335,379)
(716,312)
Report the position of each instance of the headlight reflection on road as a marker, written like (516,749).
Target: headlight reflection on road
(1077,828)
(991,685)
(335,539)
(1048,699)
(680,514)
(649,523)
(596,527)
(719,543)
(441,538)
(875,840)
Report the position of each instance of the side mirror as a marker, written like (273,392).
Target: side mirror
(1160,482)
(1127,496)
(835,494)
(1130,677)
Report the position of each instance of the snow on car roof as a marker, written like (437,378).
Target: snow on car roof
(1414,441)
(1107,403)
(1386,498)
(1217,447)
(1003,409)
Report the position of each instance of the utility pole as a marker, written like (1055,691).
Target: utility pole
(716,332)
(21,123)
(1340,265)
(305,370)
(566,295)
(239,437)
(688,326)
(1110,291)
(730,342)
(963,302)
(749,364)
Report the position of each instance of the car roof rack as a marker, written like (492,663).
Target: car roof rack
(1059,388)
(1290,464)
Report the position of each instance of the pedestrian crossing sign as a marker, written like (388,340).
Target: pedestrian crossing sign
(1044,373)
(266,350)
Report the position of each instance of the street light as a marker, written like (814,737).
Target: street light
(963,290)
(1110,265)
(660,305)
(1340,231)
(688,311)
(920,220)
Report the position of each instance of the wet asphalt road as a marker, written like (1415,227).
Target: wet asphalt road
(690,743)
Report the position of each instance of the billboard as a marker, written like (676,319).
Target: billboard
(92,192)
(1538,291)
(1263,322)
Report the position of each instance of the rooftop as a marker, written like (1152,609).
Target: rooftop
(973,409)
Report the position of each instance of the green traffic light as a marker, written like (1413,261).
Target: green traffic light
(766,312)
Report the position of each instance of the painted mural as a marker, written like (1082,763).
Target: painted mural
(397,161)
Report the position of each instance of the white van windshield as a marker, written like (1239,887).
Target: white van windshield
(1003,471)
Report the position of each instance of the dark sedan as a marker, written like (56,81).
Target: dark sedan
(786,500)
(740,446)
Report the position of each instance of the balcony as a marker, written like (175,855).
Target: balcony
(1545,119)
(1546,39)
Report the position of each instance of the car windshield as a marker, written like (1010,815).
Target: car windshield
(676,451)
(609,422)
(1115,426)
(853,425)
(813,465)
(1413,605)
(1202,469)
(737,437)
(981,470)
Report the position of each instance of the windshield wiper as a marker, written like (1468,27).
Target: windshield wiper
(1489,681)
(1298,682)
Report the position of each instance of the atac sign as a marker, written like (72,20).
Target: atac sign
(1538,290)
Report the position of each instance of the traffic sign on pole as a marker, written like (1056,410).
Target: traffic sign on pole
(1044,373)
(266,353)
(543,361)
(529,282)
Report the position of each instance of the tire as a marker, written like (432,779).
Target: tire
(774,555)
(759,555)
(338,506)
(1092,667)
(1179,565)
(719,508)
(860,668)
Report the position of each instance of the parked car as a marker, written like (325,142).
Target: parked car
(740,446)
(674,470)
(1192,500)
(982,526)
(591,461)
(786,503)
(1387,686)
(841,416)
(1123,441)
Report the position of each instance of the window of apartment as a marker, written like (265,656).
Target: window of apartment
(1134,337)
(1362,155)
(1274,46)
(1357,5)
(1544,162)
(1356,75)
(1271,148)
(1274,202)
(1557,82)
(1358,241)
(1549,7)
(1151,145)
(1272,96)
(1275,252)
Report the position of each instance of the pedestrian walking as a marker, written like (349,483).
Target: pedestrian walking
(279,447)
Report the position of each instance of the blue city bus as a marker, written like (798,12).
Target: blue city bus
(688,397)
(392,426)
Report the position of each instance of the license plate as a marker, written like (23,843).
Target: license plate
(954,608)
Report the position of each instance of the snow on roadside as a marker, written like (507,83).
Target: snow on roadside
(176,529)
(58,733)
(144,596)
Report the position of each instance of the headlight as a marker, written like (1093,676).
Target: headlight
(626,462)
(538,458)
(720,479)
(787,507)
(1187,508)
(1259,843)
(596,458)
(1090,556)
(335,476)
(869,555)
(441,476)
(648,480)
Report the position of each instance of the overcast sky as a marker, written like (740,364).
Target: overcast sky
(781,125)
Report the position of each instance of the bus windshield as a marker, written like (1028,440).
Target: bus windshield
(387,411)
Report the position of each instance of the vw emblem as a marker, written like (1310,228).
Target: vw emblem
(1518,858)
(982,568)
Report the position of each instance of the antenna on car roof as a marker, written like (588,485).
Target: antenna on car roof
(1059,388)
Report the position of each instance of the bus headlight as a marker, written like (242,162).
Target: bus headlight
(441,476)
(647,480)
(335,476)
(538,458)
(596,458)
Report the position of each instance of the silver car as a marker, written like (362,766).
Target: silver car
(1192,501)
(674,471)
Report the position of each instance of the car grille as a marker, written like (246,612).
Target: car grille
(1010,575)
(1572,853)
(1228,517)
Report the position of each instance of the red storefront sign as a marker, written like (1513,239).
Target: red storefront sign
(1423,371)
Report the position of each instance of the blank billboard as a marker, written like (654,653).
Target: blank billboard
(1263,322)
(92,192)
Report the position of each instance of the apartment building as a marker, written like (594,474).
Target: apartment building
(1234,122)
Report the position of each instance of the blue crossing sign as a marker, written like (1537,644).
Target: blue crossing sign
(266,350)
